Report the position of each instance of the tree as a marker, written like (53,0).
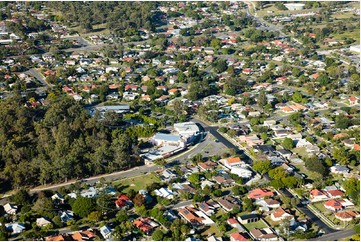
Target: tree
(158,235)
(122,216)
(138,200)
(288,143)
(220,65)
(43,206)
(315,164)
(217,193)
(248,204)
(95,216)
(296,72)
(57,221)
(83,206)
(352,188)
(22,197)
(297,97)
(262,166)
(198,198)
(262,99)
(194,178)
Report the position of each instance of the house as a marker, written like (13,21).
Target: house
(106,232)
(40,222)
(334,193)
(318,195)
(247,71)
(263,234)
(164,192)
(315,76)
(10,208)
(83,235)
(206,183)
(353,100)
(232,162)
(61,237)
(208,165)
(271,203)
(224,180)
(234,224)
(237,237)
(227,203)
(250,140)
(347,216)
(248,218)
(206,208)
(146,225)
(195,217)
(242,172)
(66,216)
(337,169)
(168,175)
(280,214)
(349,143)
(259,193)
(333,205)
(286,154)
(15,228)
(123,202)
(173,91)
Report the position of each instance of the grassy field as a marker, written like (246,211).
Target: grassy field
(354,35)
(259,225)
(137,183)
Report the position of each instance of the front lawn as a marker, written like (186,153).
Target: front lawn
(136,183)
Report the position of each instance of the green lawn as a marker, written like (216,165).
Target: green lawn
(259,225)
(212,230)
(354,35)
(137,183)
(300,151)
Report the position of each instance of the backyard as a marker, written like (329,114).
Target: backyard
(259,225)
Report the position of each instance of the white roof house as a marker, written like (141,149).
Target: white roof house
(42,222)
(10,209)
(106,232)
(241,172)
(164,192)
(15,228)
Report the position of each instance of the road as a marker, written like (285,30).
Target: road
(35,73)
(336,236)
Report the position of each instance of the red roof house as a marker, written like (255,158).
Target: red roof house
(333,205)
(259,193)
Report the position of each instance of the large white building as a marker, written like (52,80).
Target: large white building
(187,130)
(294,6)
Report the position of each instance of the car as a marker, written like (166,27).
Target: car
(216,141)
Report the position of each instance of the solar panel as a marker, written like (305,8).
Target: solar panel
(186,212)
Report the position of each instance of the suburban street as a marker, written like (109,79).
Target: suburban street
(35,73)
(335,236)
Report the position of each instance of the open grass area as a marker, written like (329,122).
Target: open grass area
(310,174)
(354,35)
(136,183)
(259,225)
(320,207)
(301,152)
(212,230)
